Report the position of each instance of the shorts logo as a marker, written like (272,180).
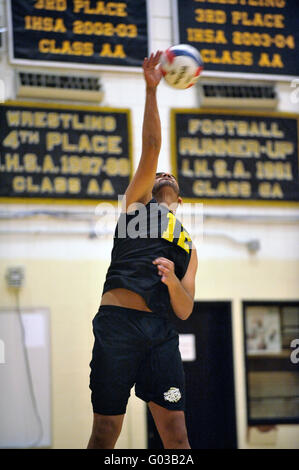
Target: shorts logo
(172,395)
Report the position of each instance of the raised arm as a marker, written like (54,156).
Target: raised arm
(140,188)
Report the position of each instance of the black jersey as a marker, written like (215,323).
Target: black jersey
(140,237)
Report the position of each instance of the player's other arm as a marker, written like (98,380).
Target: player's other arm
(140,188)
(181,292)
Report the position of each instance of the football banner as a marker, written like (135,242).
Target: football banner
(235,156)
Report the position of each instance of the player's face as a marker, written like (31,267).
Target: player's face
(165,179)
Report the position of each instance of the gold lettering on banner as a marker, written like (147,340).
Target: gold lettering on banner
(220,169)
(225,2)
(124,167)
(74,185)
(58,5)
(263,40)
(100,8)
(75,165)
(254,3)
(234,189)
(48,165)
(268,190)
(257,19)
(117,53)
(107,188)
(30,186)
(104,29)
(31,163)
(278,149)
(94,188)
(62,153)
(232,128)
(239,171)
(46,185)
(51,46)
(40,119)
(39,23)
(201,168)
(274,170)
(86,165)
(95,144)
(53,139)
(266,3)
(237,157)
(13,118)
(210,16)
(266,61)
(206,35)
(43,119)
(59,185)
(53,120)
(18,184)
(185,168)
(227,57)
(206,146)
(12,163)
(15,138)
(12,140)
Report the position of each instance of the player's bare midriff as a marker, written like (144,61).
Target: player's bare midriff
(124,298)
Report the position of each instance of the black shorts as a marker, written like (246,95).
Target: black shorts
(134,347)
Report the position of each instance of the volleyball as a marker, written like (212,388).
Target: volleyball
(181,66)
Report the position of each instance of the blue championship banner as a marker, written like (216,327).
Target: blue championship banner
(258,37)
(88,33)
(64,152)
(235,156)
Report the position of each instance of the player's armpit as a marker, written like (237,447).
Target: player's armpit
(139,189)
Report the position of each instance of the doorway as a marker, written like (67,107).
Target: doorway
(210,390)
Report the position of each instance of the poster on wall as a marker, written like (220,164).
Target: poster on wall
(255,37)
(263,331)
(64,152)
(78,33)
(226,156)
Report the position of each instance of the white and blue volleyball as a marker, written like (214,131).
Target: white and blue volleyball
(181,66)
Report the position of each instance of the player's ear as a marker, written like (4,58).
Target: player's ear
(180,200)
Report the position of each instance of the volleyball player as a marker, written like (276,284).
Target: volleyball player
(150,278)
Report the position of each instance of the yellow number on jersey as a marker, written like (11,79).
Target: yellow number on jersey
(184,237)
(168,234)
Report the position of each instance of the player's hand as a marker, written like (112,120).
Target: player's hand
(152,72)
(166,271)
